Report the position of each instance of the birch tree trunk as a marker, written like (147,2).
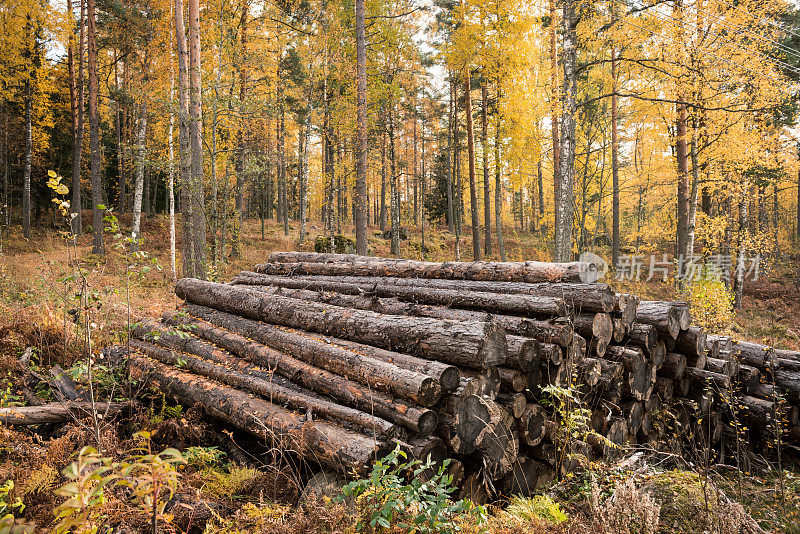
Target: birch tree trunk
(360,200)
(565,205)
(498,188)
(738,282)
(139,184)
(240,152)
(614,162)
(26,169)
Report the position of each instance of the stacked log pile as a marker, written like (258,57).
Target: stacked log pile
(339,358)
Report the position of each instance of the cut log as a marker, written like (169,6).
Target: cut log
(528,305)
(590,372)
(319,380)
(788,382)
(483,423)
(722,367)
(759,356)
(674,366)
(527,476)
(665,317)
(620,329)
(640,375)
(276,389)
(473,344)
(691,341)
(523,353)
(633,413)
(597,327)
(576,352)
(448,375)
(484,382)
(749,378)
(664,388)
(625,309)
(532,426)
(64,387)
(57,412)
(611,374)
(529,271)
(323,442)
(551,353)
(723,342)
(760,413)
(581,297)
(643,336)
(701,377)
(515,403)
(512,380)
(684,313)
(410,385)
(557,331)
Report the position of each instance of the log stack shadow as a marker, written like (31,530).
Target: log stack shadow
(340,358)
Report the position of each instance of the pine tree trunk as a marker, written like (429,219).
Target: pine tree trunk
(196,192)
(171,177)
(383,218)
(28,133)
(451,162)
(76,109)
(95,163)
(240,150)
(614,161)
(487,203)
(473,191)
(360,199)
(187,243)
(566,176)
(393,189)
(498,188)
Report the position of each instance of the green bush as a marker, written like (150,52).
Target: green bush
(420,505)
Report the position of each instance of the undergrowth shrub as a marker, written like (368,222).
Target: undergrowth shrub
(536,509)
(627,511)
(422,504)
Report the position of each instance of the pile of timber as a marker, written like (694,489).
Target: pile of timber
(340,358)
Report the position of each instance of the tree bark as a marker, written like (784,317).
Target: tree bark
(95,162)
(197,262)
(614,161)
(28,133)
(56,412)
(557,331)
(277,389)
(186,203)
(474,344)
(741,253)
(319,441)
(76,107)
(376,373)
(565,202)
(490,302)
(487,204)
(139,184)
(361,131)
(554,100)
(451,160)
(240,141)
(498,189)
(473,192)
(528,271)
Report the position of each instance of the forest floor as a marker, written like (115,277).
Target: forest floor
(38,287)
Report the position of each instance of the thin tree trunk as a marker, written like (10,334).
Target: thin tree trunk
(565,205)
(94,134)
(383,218)
(302,148)
(498,189)
(282,159)
(183,140)
(197,196)
(692,215)
(76,107)
(139,184)
(26,170)
(240,151)
(473,192)
(415,176)
(171,177)
(614,162)
(797,207)
(738,282)
(554,99)
(451,163)
(487,202)
(682,166)
(393,189)
(360,199)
